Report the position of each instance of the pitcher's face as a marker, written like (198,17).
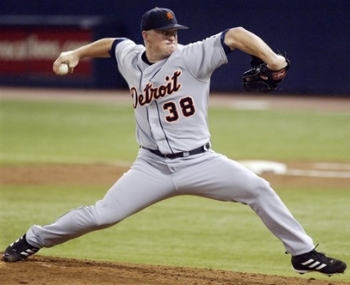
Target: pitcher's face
(160,43)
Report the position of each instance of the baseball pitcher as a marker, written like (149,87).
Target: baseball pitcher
(169,85)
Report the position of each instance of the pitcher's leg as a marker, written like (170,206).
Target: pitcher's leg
(220,178)
(279,220)
(134,191)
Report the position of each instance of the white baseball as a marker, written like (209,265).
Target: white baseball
(63,69)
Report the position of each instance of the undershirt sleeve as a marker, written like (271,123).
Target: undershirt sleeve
(227,49)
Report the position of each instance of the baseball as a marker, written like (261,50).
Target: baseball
(63,69)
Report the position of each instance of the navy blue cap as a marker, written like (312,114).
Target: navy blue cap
(160,19)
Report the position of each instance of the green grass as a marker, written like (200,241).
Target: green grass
(183,231)
(67,132)
(281,135)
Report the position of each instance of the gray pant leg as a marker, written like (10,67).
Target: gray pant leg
(220,178)
(143,185)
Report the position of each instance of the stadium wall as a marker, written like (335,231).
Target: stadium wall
(315,35)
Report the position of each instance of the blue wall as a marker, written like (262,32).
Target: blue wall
(315,34)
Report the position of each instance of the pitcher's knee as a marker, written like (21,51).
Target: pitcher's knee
(257,187)
(103,218)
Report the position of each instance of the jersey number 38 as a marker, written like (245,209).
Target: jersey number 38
(185,105)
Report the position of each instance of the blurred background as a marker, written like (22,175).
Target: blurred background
(314,34)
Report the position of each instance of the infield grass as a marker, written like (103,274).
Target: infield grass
(184,231)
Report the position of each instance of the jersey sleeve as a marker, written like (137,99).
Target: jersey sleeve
(113,47)
(125,51)
(203,57)
(120,48)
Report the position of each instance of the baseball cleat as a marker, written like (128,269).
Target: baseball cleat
(19,250)
(314,261)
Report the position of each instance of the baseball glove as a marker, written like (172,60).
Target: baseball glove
(260,78)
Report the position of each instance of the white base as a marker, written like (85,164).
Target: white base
(261,166)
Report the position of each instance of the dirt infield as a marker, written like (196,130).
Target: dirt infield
(40,270)
(53,271)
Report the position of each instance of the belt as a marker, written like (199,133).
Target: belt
(199,150)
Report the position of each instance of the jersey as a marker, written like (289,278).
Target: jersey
(170,97)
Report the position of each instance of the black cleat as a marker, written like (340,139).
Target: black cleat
(314,261)
(19,250)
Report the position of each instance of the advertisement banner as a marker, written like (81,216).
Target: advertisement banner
(33,51)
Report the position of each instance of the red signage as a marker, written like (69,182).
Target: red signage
(26,52)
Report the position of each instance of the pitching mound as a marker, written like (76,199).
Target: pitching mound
(51,271)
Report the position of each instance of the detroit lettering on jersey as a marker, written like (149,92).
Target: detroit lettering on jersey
(153,93)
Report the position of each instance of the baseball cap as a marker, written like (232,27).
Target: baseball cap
(160,19)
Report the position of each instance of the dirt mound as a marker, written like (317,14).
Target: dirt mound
(40,270)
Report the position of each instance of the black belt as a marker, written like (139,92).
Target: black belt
(199,150)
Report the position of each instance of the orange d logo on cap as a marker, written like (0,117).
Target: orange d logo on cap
(170,15)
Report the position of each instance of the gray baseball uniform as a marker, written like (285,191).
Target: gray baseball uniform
(170,99)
